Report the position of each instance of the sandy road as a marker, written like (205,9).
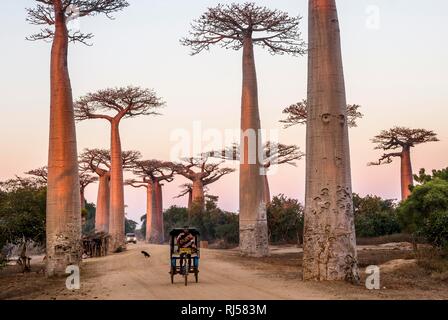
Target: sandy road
(129,275)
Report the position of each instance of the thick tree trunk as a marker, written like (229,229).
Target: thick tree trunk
(102,215)
(116,226)
(159,199)
(197,195)
(267,192)
(407,178)
(253,222)
(156,230)
(190,199)
(151,210)
(83,199)
(329,239)
(63,222)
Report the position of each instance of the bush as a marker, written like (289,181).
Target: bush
(285,220)
(22,212)
(435,229)
(89,225)
(213,223)
(374,216)
(425,212)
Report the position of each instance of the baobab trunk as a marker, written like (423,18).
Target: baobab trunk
(406,173)
(190,199)
(116,226)
(157,217)
(253,222)
(102,215)
(329,238)
(83,199)
(159,199)
(151,210)
(63,222)
(197,195)
(267,192)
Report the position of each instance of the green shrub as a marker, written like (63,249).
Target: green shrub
(374,216)
(285,220)
(425,212)
(213,223)
(435,229)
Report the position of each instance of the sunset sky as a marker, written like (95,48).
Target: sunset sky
(395,67)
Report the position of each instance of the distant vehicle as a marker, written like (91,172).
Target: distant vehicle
(131,237)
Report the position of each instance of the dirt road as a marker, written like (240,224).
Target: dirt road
(129,275)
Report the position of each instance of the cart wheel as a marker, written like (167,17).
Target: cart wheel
(186,271)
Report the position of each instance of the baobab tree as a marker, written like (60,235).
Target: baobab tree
(297,114)
(99,161)
(329,234)
(403,139)
(114,105)
(201,173)
(273,154)
(242,26)
(63,223)
(152,174)
(187,189)
(41,174)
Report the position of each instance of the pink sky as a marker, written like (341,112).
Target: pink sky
(397,72)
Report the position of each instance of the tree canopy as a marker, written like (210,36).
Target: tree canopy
(400,137)
(297,114)
(230,24)
(200,168)
(117,103)
(273,153)
(43,14)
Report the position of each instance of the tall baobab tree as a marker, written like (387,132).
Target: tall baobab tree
(403,139)
(99,161)
(297,114)
(329,233)
(242,26)
(152,173)
(273,154)
(114,105)
(63,223)
(201,173)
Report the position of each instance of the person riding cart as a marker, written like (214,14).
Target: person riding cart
(184,252)
(185,240)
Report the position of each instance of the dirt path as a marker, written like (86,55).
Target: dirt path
(225,275)
(129,275)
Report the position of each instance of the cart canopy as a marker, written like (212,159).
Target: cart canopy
(175,232)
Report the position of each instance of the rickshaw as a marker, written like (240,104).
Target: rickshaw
(190,256)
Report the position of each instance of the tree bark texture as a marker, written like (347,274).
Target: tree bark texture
(406,173)
(253,222)
(329,233)
(102,215)
(116,225)
(63,222)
